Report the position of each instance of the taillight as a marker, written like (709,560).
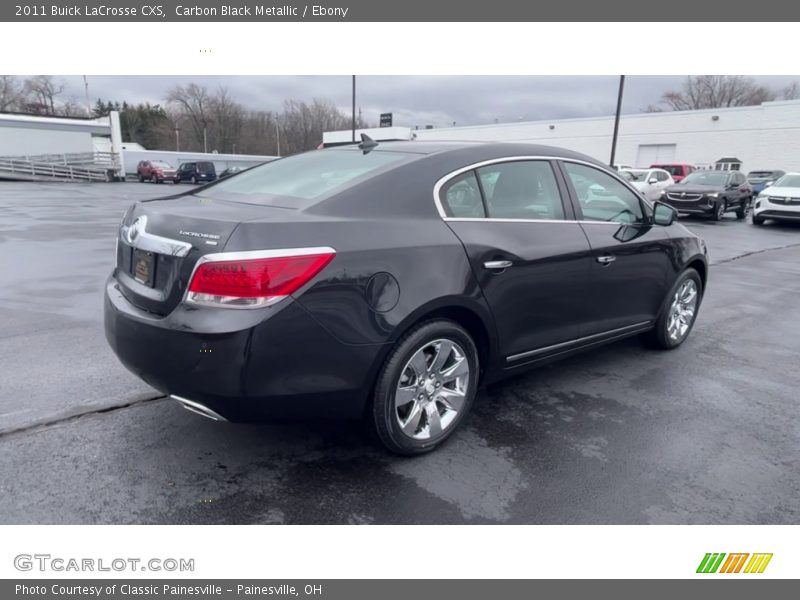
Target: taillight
(254,279)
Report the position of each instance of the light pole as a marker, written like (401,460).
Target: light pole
(278,136)
(616,120)
(354,108)
(177,139)
(205,141)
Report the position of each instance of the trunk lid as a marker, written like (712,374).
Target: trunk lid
(161,240)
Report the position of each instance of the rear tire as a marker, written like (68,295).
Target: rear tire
(426,388)
(194,179)
(673,325)
(741,212)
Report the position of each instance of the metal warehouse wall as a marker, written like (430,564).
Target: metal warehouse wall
(18,141)
(766,136)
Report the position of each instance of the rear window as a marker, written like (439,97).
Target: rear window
(310,175)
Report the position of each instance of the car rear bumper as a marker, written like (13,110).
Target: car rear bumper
(243,365)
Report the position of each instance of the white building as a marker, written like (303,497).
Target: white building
(763,137)
(37,148)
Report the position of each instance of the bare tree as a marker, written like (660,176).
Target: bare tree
(717,91)
(791,91)
(10,93)
(227,117)
(193,104)
(41,92)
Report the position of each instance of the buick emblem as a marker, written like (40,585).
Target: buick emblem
(683,194)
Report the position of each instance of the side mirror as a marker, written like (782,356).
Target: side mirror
(652,180)
(664,214)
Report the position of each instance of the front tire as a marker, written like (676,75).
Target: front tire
(719,211)
(757,220)
(678,312)
(194,179)
(426,388)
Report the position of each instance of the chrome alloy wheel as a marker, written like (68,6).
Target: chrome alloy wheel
(682,310)
(432,389)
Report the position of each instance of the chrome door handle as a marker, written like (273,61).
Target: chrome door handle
(606,260)
(497,264)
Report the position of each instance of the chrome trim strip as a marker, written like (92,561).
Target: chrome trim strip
(575,342)
(198,299)
(482,220)
(443,180)
(135,235)
(197,408)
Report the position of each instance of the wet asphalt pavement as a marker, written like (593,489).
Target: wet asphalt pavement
(709,433)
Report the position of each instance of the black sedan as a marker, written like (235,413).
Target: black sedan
(711,194)
(392,280)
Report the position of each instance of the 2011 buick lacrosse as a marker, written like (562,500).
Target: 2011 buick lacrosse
(391,280)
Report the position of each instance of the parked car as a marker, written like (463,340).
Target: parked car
(395,284)
(711,193)
(780,202)
(231,171)
(649,182)
(677,170)
(759,180)
(155,171)
(197,172)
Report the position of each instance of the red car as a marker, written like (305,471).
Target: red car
(677,170)
(156,171)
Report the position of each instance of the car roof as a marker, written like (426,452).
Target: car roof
(476,150)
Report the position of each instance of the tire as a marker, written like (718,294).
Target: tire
(744,208)
(156,179)
(402,395)
(177,180)
(194,179)
(661,336)
(141,178)
(719,211)
(757,220)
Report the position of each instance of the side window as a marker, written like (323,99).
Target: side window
(661,176)
(521,190)
(602,197)
(461,197)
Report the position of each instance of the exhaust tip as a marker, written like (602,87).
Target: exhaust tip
(198,409)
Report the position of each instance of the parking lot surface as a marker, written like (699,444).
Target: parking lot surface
(708,433)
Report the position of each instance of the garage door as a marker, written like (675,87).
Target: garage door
(650,154)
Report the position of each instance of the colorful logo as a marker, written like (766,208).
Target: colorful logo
(734,563)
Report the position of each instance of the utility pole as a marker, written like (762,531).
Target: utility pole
(354,108)
(278,135)
(177,139)
(205,141)
(86,90)
(616,120)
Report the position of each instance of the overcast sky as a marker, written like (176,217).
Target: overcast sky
(417,100)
